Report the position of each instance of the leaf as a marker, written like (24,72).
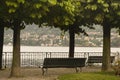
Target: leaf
(11,10)
(118,13)
(37,5)
(53,2)
(94,7)
(39,16)
(99,18)
(106,10)
(33,15)
(15,5)
(105,5)
(9,3)
(89,1)
(66,23)
(43,0)
(115,5)
(88,6)
(21,1)
(101,1)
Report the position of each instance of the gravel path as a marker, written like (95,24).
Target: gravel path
(36,73)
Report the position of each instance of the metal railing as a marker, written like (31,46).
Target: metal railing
(35,59)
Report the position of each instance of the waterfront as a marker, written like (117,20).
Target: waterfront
(33,56)
(57,49)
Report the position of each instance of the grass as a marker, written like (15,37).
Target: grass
(90,76)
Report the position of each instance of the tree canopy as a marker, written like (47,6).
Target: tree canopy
(104,11)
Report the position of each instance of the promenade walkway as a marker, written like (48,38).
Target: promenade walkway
(36,73)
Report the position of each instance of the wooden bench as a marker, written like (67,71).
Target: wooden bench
(63,63)
(98,59)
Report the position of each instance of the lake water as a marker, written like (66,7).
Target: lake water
(57,49)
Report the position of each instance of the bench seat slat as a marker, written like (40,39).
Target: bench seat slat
(64,62)
(98,59)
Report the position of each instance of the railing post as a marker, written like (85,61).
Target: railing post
(88,54)
(5,59)
(46,54)
(50,55)
(85,54)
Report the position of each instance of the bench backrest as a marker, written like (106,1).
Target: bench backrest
(98,59)
(64,62)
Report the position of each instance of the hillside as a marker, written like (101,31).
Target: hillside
(32,35)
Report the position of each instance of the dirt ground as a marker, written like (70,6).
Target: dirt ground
(36,73)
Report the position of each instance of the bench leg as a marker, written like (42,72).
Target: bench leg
(44,70)
(78,69)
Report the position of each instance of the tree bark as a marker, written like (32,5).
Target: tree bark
(72,41)
(106,48)
(16,71)
(1,41)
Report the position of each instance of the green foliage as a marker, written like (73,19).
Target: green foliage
(10,3)
(90,76)
(68,13)
(53,2)
(25,11)
(21,1)
(101,1)
(13,5)
(37,5)
(60,14)
(92,7)
(104,11)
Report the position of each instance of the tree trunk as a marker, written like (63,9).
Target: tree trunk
(1,42)
(72,41)
(106,48)
(15,71)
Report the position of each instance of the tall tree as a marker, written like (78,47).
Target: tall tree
(80,19)
(1,41)
(107,14)
(3,23)
(67,16)
(22,12)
